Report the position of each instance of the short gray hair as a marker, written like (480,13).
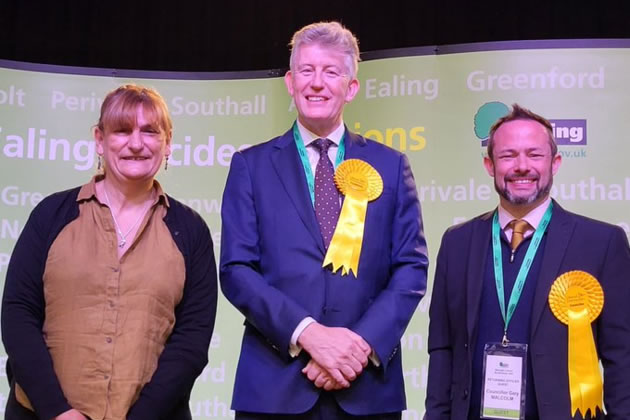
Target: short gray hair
(328,34)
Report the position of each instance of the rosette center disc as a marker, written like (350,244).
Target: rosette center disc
(576,291)
(355,176)
(357,182)
(577,299)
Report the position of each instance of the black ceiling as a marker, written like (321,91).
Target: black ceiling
(183,35)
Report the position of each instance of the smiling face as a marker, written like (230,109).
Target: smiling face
(320,84)
(133,150)
(522,165)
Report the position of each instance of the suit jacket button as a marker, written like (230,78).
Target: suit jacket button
(465,393)
(465,345)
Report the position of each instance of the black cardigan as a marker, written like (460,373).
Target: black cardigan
(185,354)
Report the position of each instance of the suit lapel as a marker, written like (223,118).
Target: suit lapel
(558,234)
(480,243)
(354,146)
(288,166)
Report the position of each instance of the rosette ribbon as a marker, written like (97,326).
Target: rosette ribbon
(576,299)
(360,183)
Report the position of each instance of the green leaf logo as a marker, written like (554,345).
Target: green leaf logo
(487,115)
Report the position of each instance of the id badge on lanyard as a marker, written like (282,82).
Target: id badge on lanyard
(504,381)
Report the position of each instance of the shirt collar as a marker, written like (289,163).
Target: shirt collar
(308,137)
(534,217)
(88,191)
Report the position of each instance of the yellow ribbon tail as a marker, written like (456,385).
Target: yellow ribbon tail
(345,247)
(585,382)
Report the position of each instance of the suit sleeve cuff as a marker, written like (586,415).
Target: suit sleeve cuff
(374,359)
(294,347)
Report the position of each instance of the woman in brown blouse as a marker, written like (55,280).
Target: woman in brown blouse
(110,295)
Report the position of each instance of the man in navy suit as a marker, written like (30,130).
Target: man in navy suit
(497,257)
(319,344)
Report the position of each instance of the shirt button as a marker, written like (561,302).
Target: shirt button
(111,304)
(106,376)
(108,339)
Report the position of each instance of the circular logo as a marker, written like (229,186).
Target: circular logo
(486,116)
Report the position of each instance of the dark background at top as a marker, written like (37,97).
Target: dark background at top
(204,36)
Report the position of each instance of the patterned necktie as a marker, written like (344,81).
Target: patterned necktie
(519,227)
(326,193)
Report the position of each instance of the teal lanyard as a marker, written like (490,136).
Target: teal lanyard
(522,272)
(310,178)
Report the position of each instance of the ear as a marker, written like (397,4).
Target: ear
(489,165)
(353,89)
(99,139)
(288,81)
(555,163)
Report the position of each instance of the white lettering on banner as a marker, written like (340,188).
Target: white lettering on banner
(584,190)
(411,414)
(3,401)
(461,192)
(3,364)
(216,237)
(213,374)
(202,154)
(12,96)
(36,145)
(12,196)
(214,408)
(423,306)
(479,81)
(203,205)
(573,134)
(222,106)
(412,341)
(591,190)
(399,86)
(4,261)
(9,229)
(59,100)
(416,378)
(215,341)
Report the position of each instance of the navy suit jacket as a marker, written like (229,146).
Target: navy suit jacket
(573,243)
(271,269)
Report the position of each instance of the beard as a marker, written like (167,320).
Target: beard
(541,190)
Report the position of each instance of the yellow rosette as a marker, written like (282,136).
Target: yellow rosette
(576,299)
(360,183)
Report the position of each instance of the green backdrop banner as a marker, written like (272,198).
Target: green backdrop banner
(436,108)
